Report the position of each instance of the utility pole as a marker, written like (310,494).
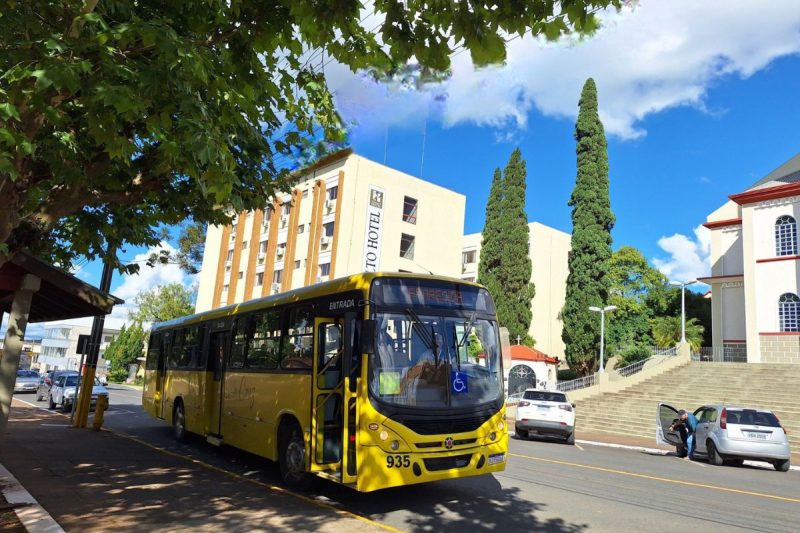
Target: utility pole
(84,399)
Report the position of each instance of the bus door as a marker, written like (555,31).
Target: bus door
(217,356)
(160,396)
(327,409)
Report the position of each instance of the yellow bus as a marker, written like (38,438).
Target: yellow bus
(373,380)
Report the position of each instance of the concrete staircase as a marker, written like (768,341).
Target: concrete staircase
(632,411)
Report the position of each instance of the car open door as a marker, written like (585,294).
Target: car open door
(664,418)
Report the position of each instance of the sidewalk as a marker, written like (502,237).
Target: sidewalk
(99,481)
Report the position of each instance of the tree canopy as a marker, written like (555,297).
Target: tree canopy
(118,116)
(162,303)
(125,349)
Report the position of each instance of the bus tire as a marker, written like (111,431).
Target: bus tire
(179,421)
(292,456)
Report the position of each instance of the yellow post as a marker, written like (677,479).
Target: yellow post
(84,400)
(99,411)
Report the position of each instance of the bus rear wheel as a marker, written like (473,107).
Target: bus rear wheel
(292,457)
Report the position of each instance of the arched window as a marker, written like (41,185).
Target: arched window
(789,312)
(785,236)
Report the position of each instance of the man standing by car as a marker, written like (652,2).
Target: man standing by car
(689,422)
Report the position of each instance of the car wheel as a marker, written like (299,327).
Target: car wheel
(520,433)
(713,455)
(179,422)
(292,457)
(570,439)
(64,406)
(782,466)
(50,403)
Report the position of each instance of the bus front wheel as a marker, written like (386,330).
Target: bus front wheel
(179,422)
(292,457)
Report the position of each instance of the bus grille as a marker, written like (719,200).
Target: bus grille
(440,444)
(443,426)
(446,463)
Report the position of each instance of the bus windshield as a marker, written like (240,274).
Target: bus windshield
(434,361)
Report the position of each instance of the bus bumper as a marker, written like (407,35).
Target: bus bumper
(378,469)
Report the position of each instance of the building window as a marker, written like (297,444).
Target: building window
(789,312)
(325,269)
(407,246)
(241,274)
(277,277)
(327,229)
(305,193)
(225,288)
(410,210)
(285,208)
(301,228)
(467,258)
(297,264)
(785,236)
(262,247)
(333,193)
(259,279)
(244,245)
(230,255)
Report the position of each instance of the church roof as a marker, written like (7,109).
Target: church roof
(789,172)
(524,353)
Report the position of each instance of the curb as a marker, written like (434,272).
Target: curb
(32,515)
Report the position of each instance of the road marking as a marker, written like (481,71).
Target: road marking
(579,446)
(657,478)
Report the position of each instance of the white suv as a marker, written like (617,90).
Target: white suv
(545,413)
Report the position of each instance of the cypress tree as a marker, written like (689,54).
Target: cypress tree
(492,238)
(516,289)
(592,220)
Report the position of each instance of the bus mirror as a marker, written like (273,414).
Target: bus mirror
(369,336)
(505,348)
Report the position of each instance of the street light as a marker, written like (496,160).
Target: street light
(683,285)
(602,312)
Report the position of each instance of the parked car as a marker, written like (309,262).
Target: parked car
(728,434)
(46,381)
(545,413)
(62,393)
(27,381)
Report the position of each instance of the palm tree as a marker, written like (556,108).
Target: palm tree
(667,331)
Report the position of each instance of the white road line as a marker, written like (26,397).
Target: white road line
(30,513)
(579,447)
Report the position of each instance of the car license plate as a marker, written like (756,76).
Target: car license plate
(497,458)
(754,435)
(544,407)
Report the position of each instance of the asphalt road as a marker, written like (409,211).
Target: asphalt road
(546,486)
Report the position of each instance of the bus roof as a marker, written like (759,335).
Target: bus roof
(360,281)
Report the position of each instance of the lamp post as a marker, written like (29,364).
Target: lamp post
(602,312)
(683,285)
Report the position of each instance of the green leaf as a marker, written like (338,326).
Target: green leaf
(9,111)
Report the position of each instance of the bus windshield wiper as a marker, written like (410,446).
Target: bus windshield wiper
(416,323)
(468,329)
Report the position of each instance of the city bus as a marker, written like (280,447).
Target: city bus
(372,381)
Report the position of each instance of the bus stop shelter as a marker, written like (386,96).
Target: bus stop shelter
(34,291)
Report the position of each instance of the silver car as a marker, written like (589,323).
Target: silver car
(27,381)
(729,434)
(62,393)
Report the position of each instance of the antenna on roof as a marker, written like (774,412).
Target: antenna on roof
(423,268)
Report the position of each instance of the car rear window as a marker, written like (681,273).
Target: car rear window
(543,396)
(750,417)
(27,374)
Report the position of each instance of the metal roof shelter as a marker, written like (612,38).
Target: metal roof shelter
(34,291)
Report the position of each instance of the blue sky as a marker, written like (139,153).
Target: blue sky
(699,100)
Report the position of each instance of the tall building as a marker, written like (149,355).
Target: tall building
(344,215)
(548,249)
(60,346)
(755,270)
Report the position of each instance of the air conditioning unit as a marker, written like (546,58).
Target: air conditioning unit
(276,287)
(324,240)
(261,256)
(228,263)
(329,204)
(319,279)
(280,252)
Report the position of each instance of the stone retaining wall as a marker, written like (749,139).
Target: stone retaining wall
(780,348)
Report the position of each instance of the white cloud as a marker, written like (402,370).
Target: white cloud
(690,258)
(646,59)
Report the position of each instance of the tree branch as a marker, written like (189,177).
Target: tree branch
(77,24)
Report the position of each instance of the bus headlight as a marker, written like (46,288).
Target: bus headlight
(394,445)
(492,435)
(500,426)
(383,435)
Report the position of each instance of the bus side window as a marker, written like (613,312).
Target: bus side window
(298,350)
(264,348)
(241,336)
(201,350)
(152,351)
(176,350)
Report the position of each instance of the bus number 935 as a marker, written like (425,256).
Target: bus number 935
(398,461)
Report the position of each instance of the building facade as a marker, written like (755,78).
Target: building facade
(344,215)
(755,270)
(549,250)
(60,347)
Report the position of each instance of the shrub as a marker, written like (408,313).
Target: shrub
(633,354)
(118,375)
(567,375)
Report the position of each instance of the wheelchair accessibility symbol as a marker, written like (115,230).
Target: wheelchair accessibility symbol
(458,382)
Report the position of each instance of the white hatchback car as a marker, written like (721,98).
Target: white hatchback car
(543,412)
